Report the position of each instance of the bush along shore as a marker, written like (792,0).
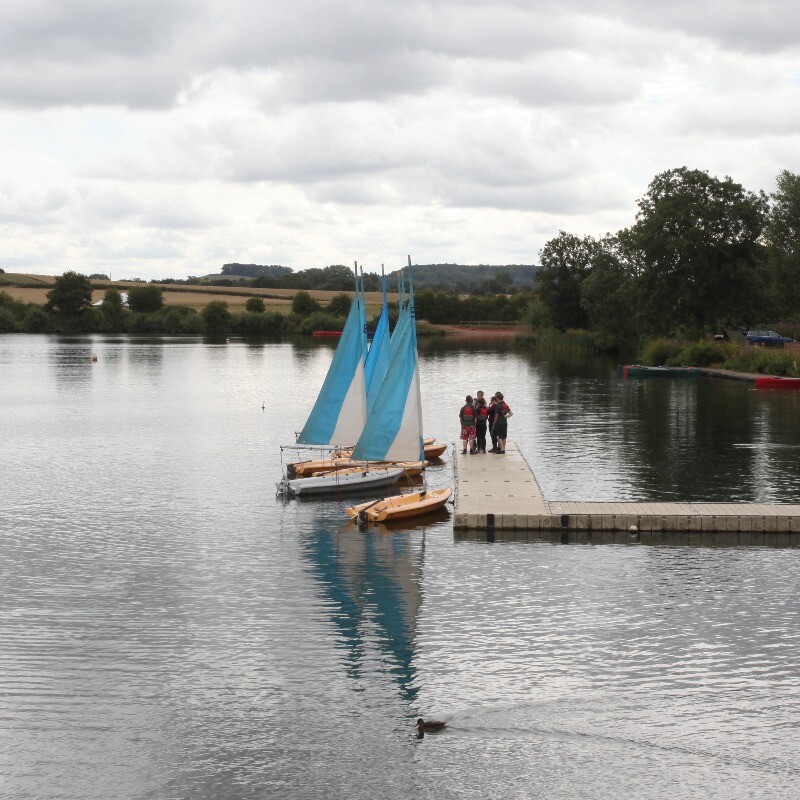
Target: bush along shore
(69,310)
(721,355)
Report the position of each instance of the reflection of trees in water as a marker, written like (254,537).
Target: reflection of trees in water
(658,438)
(72,359)
(373,583)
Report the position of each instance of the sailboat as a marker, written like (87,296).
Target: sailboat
(393,430)
(347,480)
(339,415)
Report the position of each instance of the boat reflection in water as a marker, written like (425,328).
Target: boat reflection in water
(373,582)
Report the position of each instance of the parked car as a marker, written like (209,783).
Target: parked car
(759,338)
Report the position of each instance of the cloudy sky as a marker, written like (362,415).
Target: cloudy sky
(163,138)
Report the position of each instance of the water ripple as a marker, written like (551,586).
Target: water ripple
(168,629)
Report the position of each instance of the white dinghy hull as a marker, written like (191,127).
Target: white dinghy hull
(333,483)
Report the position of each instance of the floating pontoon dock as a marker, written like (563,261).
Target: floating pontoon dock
(499,496)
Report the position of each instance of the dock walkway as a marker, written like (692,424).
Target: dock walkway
(501,493)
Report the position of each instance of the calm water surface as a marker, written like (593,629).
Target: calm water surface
(169,629)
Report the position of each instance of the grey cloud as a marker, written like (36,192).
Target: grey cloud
(317,80)
(106,81)
(146,54)
(33,204)
(562,78)
(79,31)
(765,27)
(440,151)
(570,196)
(739,116)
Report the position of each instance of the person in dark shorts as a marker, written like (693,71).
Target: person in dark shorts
(481,420)
(467,418)
(492,409)
(501,414)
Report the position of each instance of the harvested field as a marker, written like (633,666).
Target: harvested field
(17,277)
(198,297)
(373,298)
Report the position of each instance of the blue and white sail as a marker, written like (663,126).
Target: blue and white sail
(393,431)
(377,360)
(339,415)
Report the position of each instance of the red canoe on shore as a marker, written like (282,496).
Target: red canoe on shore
(774,382)
(326,333)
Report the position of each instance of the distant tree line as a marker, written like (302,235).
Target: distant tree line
(448,308)
(478,280)
(462,279)
(69,309)
(481,279)
(703,253)
(257,270)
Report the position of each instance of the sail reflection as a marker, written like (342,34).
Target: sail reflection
(373,584)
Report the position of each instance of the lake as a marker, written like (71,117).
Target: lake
(169,628)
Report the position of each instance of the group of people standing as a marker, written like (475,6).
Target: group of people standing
(477,417)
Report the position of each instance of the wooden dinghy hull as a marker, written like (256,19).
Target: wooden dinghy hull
(401,506)
(337,483)
(411,467)
(302,469)
(434,450)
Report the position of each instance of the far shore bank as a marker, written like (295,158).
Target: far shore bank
(477,331)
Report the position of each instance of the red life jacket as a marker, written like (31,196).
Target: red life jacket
(483,413)
(468,416)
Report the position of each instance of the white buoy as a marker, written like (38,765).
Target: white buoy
(633,529)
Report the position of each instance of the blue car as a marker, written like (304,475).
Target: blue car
(759,338)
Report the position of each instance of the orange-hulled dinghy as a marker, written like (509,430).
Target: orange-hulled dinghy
(400,506)
(434,450)
(412,471)
(411,467)
(302,469)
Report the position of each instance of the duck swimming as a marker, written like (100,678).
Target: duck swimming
(429,726)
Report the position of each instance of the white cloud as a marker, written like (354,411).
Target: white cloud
(175,135)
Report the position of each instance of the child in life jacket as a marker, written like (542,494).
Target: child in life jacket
(492,409)
(467,418)
(481,420)
(501,414)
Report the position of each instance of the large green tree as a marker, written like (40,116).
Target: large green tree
(782,237)
(304,304)
(113,310)
(696,246)
(609,292)
(566,262)
(217,318)
(255,305)
(145,299)
(71,294)
(339,304)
